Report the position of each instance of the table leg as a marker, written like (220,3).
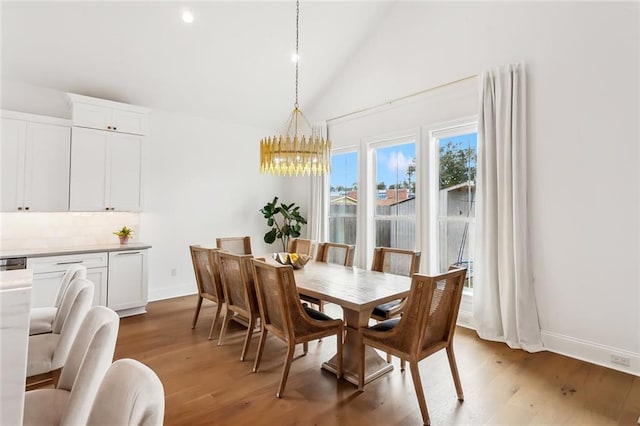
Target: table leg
(375,365)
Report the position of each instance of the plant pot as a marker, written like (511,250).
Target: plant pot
(124,240)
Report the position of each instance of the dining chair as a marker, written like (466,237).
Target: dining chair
(335,253)
(130,394)
(237,245)
(341,254)
(302,246)
(240,295)
(398,262)
(41,318)
(205,268)
(427,325)
(283,314)
(48,352)
(90,355)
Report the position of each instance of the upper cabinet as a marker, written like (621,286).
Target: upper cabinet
(106,155)
(34,163)
(106,115)
(106,171)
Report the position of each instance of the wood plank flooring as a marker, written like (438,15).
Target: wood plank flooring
(206,384)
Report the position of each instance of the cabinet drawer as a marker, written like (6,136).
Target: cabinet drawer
(61,263)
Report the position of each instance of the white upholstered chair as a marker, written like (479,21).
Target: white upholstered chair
(130,394)
(41,318)
(89,359)
(48,352)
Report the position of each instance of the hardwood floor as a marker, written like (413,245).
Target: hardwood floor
(207,384)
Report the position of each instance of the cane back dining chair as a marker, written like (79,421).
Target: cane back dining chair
(341,254)
(240,294)
(398,262)
(302,246)
(205,268)
(427,325)
(237,245)
(283,315)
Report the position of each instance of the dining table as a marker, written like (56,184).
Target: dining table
(358,292)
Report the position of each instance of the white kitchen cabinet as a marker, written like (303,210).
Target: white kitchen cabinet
(48,272)
(107,115)
(34,161)
(106,171)
(127,290)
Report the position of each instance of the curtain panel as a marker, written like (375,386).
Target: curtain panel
(318,203)
(504,302)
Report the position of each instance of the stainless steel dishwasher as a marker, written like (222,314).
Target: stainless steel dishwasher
(11,263)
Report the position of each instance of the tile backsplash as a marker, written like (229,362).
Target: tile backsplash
(43,230)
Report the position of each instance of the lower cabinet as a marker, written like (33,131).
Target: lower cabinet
(127,281)
(120,279)
(48,272)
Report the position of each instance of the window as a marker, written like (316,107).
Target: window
(457,159)
(395,195)
(343,198)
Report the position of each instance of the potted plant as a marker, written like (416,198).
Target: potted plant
(285,222)
(124,234)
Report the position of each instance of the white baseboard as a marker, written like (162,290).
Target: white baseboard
(590,352)
(184,289)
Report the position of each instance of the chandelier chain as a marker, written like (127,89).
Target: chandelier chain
(297,55)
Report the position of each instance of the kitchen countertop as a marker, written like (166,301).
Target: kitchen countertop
(60,251)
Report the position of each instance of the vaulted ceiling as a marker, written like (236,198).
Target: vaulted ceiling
(233,63)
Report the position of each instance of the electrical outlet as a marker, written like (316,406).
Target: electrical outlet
(173,272)
(621,360)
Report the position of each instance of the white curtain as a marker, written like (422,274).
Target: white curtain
(318,203)
(504,301)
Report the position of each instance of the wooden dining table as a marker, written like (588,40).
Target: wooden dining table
(357,291)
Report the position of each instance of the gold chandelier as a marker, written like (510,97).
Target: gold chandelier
(291,152)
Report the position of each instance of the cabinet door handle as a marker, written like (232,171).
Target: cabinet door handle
(19,208)
(26,208)
(70,263)
(109,127)
(128,253)
(115,128)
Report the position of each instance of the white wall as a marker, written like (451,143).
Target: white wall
(201,181)
(583,72)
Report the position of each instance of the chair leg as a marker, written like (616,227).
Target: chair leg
(402,364)
(195,317)
(321,305)
(285,369)
(388,357)
(417,384)
(454,373)
(339,354)
(215,319)
(225,322)
(361,367)
(247,339)
(263,337)
(305,347)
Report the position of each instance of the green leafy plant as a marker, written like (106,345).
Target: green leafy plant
(284,220)
(124,232)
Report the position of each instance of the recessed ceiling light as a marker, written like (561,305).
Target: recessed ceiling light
(187,16)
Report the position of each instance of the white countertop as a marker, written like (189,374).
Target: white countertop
(58,251)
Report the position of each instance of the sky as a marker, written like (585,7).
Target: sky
(391,162)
